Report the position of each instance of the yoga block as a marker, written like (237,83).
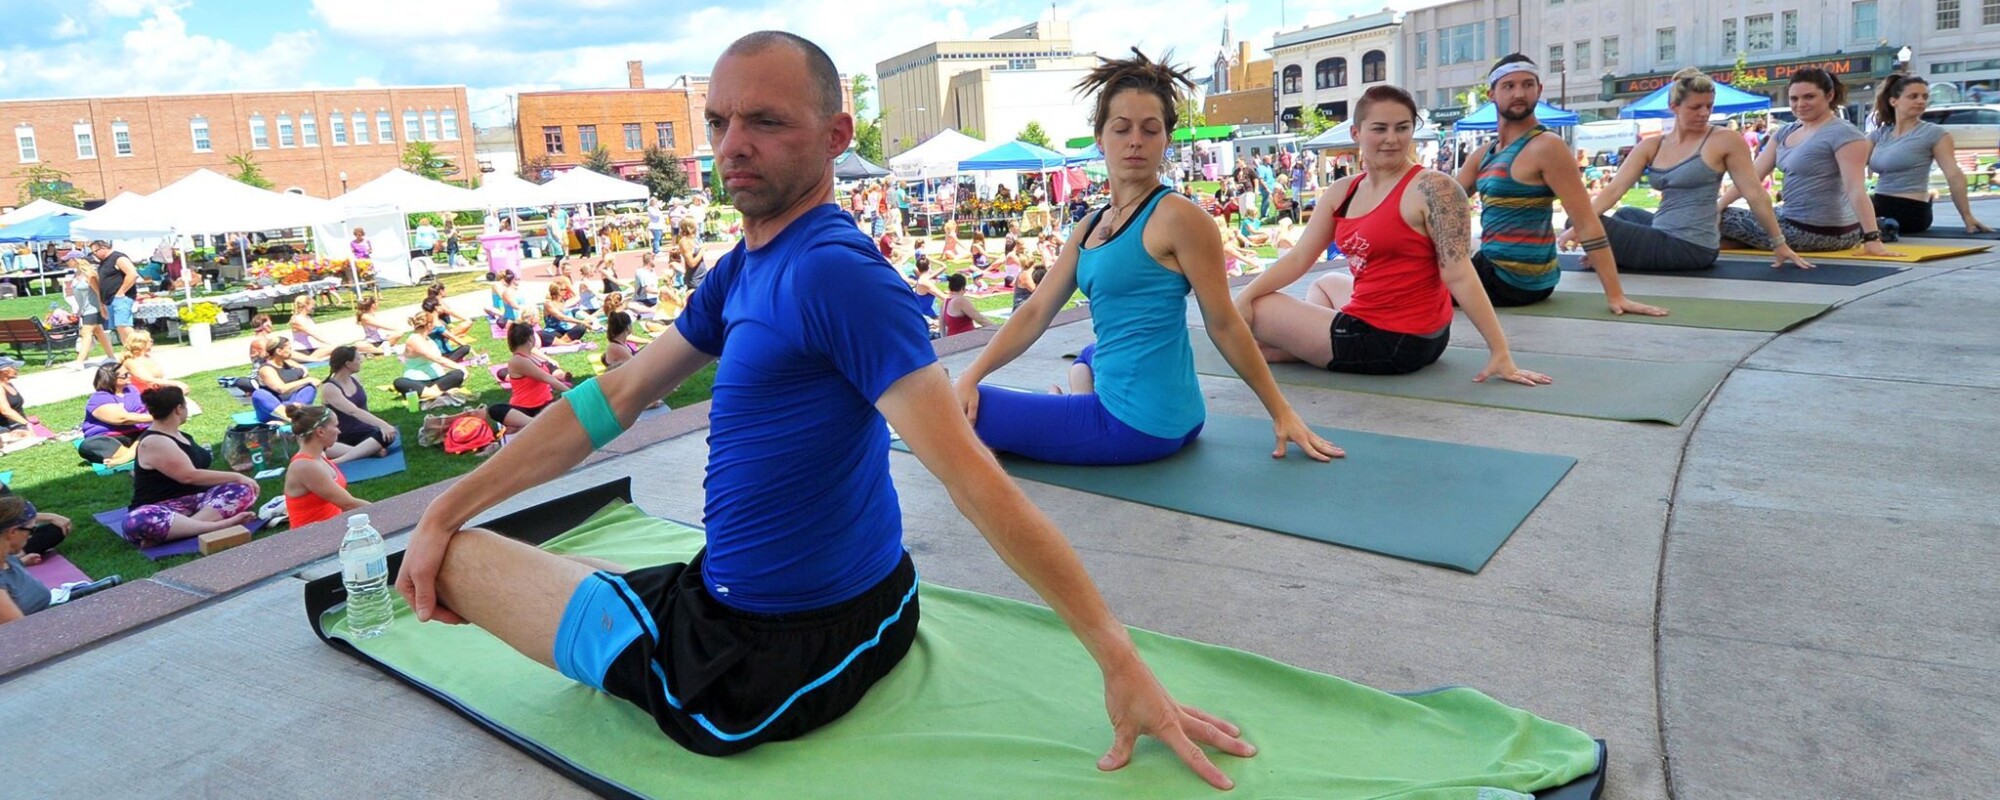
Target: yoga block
(218,541)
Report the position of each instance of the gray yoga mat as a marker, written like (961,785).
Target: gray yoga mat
(1604,388)
(1954,232)
(1685,312)
(1739,268)
(1449,505)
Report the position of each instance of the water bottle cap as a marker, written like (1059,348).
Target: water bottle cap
(357,521)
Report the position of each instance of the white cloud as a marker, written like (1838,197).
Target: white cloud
(68,28)
(167,59)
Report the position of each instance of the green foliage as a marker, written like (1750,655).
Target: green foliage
(1033,134)
(1312,122)
(247,171)
(425,161)
(598,160)
(531,169)
(858,86)
(666,179)
(1191,113)
(974,133)
(43,182)
(716,191)
(1742,78)
(1474,96)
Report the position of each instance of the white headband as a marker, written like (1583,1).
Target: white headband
(1510,68)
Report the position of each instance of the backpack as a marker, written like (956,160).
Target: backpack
(468,433)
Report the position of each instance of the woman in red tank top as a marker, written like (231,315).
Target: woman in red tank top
(315,489)
(1406,232)
(958,312)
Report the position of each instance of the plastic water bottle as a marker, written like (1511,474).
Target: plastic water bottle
(364,567)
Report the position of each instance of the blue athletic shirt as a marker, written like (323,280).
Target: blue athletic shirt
(810,330)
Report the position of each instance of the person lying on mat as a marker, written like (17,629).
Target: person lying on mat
(1134,397)
(819,341)
(1519,178)
(281,380)
(1686,167)
(1905,146)
(1407,233)
(21,594)
(315,488)
(1825,161)
(362,434)
(174,493)
(113,417)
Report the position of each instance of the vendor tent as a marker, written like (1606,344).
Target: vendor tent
(1085,155)
(938,156)
(1341,137)
(50,228)
(1606,136)
(1487,117)
(1728,100)
(850,166)
(35,210)
(410,193)
(586,186)
(205,202)
(505,190)
(1020,156)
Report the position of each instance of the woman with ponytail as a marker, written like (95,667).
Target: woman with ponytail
(1905,148)
(315,488)
(1825,161)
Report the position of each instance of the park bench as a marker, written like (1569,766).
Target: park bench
(30,332)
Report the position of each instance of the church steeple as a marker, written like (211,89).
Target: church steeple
(1225,30)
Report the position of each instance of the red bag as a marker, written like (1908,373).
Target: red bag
(468,434)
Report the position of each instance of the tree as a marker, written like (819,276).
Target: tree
(1475,95)
(666,179)
(1743,78)
(1033,134)
(1191,114)
(248,172)
(1312,122)
(867,132)
(972,132)
(424,160)
(532,169)
(598,160)
(716,190)
(43,182)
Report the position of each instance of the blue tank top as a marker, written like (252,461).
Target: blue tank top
(1144,365)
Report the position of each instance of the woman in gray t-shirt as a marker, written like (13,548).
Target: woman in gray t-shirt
(1825,161)
(21,594)
(1905,148)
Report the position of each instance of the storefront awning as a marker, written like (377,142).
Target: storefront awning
(1204,133)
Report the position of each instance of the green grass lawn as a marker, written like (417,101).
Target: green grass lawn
(1641,198)
(57,481)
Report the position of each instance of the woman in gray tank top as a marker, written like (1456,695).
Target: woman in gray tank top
(1905,148)
(1686,167)
(1825,161)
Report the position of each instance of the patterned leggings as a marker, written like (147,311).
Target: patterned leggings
(147,525)
(1741,225)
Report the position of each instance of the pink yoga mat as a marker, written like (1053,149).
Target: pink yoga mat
(55,571)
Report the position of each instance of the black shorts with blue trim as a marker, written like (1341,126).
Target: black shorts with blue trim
(718,680)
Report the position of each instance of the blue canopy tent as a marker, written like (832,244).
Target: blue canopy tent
(1018,156)
(1085,156)
(52,228)
(1728,100)
(1487,118)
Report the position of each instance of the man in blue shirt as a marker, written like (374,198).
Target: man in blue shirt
(818,340)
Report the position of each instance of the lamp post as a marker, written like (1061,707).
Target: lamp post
(343,181)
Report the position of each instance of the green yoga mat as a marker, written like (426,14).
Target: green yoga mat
(1604,388)
(1686,312)
(1449,505)
(996,699)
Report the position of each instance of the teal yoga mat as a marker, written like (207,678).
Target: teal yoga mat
(1686,312)
(996,699)
(1604,388)
(1449,505)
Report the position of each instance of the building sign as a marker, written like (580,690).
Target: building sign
(1447,115)
(1848,68)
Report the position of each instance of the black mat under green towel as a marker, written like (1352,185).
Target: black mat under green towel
(1737,268)
(1450,505)
(1603,388)
(1954,232)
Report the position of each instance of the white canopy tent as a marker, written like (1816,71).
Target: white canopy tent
(502,190)
(410,193)
(36,210)
(937,157)
(586,186)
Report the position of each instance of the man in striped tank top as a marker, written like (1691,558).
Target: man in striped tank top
(1519,178)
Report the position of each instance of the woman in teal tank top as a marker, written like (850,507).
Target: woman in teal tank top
(1133,395)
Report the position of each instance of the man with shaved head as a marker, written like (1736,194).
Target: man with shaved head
(804,596)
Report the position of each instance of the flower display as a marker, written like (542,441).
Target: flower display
(304,269)
(201,314)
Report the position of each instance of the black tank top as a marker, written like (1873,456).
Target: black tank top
(14,400)
(109,278)
(151,486)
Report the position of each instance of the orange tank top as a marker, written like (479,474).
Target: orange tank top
(309,508)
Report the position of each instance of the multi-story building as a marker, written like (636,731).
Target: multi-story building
(990,86)
(1953,43)
(1328,66)
(314,142)
(562,128)
(1451,47)
(1239,91)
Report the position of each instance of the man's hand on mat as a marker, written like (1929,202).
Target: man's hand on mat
(1293,430)
(1785,253)
(1501,366)
(417,581)
(1140,706)
(1622,305)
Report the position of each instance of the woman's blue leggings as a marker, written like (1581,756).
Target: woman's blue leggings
(1066,428)
(267,402)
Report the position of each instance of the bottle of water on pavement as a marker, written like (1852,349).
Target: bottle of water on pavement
(364,567)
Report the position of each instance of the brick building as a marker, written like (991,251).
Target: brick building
(302,140)
(565,126)
(1239,91)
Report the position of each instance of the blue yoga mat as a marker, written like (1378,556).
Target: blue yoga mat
(362,469)
(1438,503)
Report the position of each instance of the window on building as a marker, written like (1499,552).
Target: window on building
(309,129)
(1423,50)
(1555,3)
(413,130)
(198,132)
(1555,62)
(1461,44)
(121,139)
(1989,13)
(24,140)
(1374,67)
(336,123)
(1610,50)
(634,140)
(1323,74)
(360,126)
(663,135)
(1757,32)
(260,136)
(385,132)
(1864,21)
(1947,15)
(287,136)
(1791,32)
(1580,56)
(552,140)
(450,118)
(86,141)
(1292,76)
(586,138)
(1664,43)
(1503,35)
(1729,35)
(433,133)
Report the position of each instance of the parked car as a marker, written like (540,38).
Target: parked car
(1973,126)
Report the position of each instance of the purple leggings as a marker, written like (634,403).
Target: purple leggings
(1066,428)
(147,525)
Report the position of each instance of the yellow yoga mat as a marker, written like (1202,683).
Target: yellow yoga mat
(1911,253)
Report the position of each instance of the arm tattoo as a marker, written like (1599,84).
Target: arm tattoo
(1598,243)
(1448,216)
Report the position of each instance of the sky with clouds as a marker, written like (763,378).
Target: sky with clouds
(500,47)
